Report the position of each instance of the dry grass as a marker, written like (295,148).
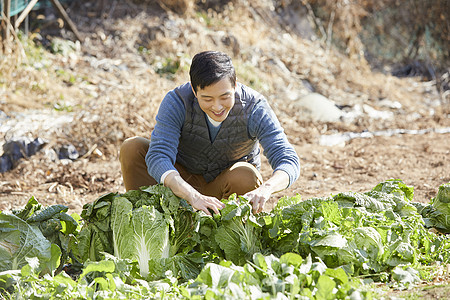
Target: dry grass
(11,55)
(113,103)
(115,83)
(178,6)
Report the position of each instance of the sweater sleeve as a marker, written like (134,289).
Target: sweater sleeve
(264,125)
(162,152)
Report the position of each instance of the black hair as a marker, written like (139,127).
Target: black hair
(209,67)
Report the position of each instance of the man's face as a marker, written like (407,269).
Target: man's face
(217,99)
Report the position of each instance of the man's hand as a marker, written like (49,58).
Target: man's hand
(198,201)
(259,196)
(206,203)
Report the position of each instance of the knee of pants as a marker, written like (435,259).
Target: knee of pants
(244,177)
(132,148)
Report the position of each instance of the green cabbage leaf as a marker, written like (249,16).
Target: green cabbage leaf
(441,204)
(238,231)
(20,241)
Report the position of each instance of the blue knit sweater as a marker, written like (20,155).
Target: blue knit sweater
(262,125)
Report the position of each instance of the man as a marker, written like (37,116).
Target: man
(205,144)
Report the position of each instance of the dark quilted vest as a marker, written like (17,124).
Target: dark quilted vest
(232,144)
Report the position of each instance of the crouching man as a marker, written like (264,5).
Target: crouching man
(205,144)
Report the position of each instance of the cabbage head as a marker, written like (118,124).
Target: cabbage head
(441,204)
(141,234)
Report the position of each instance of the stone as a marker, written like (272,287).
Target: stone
(316,107)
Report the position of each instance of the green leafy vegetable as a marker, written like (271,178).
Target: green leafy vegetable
(151,244)
(95,237)
(47,213)
(441,204)
(19,241)
(123,225)
(238,232)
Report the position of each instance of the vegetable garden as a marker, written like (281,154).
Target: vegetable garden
(151,244)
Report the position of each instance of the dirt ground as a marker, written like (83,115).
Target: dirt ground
(421,161)
(112,86)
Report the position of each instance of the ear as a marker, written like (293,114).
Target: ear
(195,94)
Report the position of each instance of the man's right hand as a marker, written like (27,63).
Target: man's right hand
(206,203)
(198,201)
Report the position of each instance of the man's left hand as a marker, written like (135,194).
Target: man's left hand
(258,198)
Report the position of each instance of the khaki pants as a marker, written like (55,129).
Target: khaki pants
(240,178)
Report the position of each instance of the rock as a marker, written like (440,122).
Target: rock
(51,154)
(377,114)
(390,104)
(3,115)
(316,107)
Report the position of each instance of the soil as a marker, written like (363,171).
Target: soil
(112,86)
(421,161)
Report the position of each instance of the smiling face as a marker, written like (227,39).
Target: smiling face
(217,99)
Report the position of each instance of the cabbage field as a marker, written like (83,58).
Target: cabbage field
(151,244)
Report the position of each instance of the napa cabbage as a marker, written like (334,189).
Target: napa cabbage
(20,241)
(436,214)
(238,231)
(441,204)
(151,226)
(36,232)
(141,234)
